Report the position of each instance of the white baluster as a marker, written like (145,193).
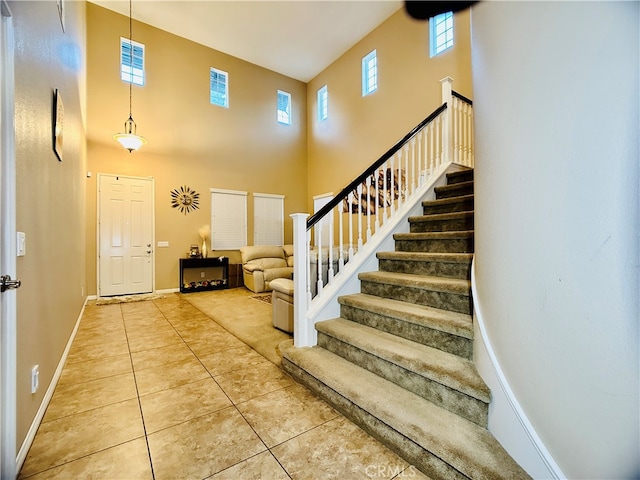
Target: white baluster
(368,207)
(340,239)
(359,217)
(350,217)
(392,185)
(319,257)
(330,271)
(303,331)
(377,198)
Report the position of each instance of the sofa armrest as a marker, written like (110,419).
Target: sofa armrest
(252,267)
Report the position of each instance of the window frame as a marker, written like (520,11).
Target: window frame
(437,44)
(212,92)
(128,69)
(323,103)
(283,116)
(369,73)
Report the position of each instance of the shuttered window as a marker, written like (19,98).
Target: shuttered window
(219,87)
(131,61)
(228,219)
(268,219)
(440,33)
(284,107)
(369,73)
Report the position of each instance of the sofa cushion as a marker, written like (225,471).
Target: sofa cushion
(261,251)
(284,272)
(288,253)
(262,264)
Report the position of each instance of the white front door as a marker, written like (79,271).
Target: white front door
(8,333)
(125,235)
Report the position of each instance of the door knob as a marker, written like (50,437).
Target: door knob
(6,283)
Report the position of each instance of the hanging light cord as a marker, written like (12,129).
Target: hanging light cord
(130,57)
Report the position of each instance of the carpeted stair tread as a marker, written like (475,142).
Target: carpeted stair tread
(465,175)
(447,201)
(433,235)
(437,284)
(437,217)
(467,447)
(447,369)
(454,323)
(426,257)
(454,190)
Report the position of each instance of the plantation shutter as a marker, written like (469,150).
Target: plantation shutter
(228,219)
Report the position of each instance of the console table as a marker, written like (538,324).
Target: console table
(200,274)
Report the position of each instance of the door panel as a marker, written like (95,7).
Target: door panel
(125,227)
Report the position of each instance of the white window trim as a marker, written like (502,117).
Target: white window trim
(323,103)
(434,48)
(368,89)
(226,87)
(127,71)
(279,117)
(224,240)
(277,217)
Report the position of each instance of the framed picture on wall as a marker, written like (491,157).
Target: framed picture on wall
(58,123)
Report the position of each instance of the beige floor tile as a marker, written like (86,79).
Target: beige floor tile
(69,438)
(138,343)
(281,415)
(232,359)
(144,330)
(243,385)
(202,332)
(170,375)
(177,352)
(80,397)
(262,466)
(214,343)
(203,446)
(85,353)
(340,450)
(177,405)
(128,461)
(94,369)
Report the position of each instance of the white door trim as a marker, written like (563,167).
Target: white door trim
(8,334)
(153,227)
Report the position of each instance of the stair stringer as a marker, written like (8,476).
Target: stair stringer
(325,305)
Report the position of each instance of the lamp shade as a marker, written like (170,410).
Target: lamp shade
(129,139)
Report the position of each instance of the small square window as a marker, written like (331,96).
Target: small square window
(323,104)
(131,61)
(440,33)
(284,107)
(219,87)
(369,73)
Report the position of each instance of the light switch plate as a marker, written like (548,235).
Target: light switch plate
(21,244)
(163,244)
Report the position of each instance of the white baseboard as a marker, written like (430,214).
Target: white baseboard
(26,444)
(168,290)
(507,421)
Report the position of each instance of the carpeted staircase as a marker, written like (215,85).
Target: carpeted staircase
(398,362)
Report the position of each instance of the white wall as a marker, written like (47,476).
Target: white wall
(557,219)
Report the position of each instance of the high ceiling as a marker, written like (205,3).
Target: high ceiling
(297,38)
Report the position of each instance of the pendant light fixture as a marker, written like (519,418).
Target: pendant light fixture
(129,139)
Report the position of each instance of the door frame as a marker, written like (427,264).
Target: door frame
(8,337)
(153,226)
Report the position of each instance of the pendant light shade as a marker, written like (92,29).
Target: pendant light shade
(130,139)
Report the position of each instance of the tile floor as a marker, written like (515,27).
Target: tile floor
(157,389)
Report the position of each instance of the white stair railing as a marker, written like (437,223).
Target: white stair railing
(369,202)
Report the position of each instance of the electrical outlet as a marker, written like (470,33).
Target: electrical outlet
(201,274)
(35,378)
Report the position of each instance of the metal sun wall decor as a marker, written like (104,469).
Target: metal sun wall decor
(185,199)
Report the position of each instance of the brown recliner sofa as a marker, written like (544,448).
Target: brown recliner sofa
(263,263)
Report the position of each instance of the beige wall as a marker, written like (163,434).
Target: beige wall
(50,194)
(191,142)
(360,129)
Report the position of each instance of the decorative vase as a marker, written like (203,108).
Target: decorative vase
(204,249)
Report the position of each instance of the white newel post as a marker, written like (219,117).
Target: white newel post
(303,332)
(447,128)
